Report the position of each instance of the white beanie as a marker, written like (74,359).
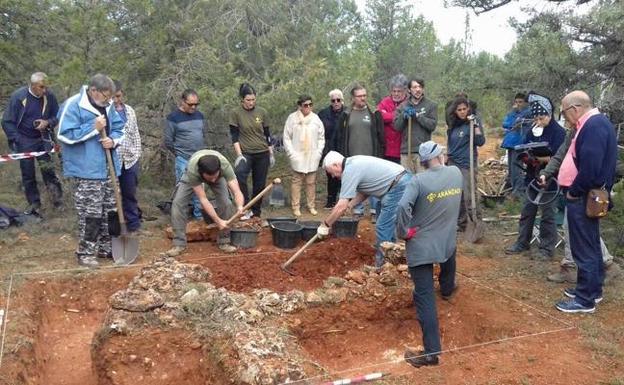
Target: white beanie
(332,157)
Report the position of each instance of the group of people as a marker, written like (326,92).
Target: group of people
(416,190)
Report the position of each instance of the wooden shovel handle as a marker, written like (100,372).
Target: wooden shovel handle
(113,177)
(251,203)
(300,251)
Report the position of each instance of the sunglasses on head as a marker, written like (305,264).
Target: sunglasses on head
(336,100)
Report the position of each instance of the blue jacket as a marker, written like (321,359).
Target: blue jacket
(83,154)
(515,128)
(554,134)
(15,112)
(459,144)
(596,156)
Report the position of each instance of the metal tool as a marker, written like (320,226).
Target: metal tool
(474,227)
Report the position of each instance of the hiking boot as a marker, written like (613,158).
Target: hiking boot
(612,271)
(571,306)
(175,251)
(449,296)
(297,212)
(570,292)
(227,248)
(418,358)
(88,261)
(312,210)
(565,274)
(516,248)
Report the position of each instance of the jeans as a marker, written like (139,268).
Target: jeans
(258,166)
(386,216)
(46,167)
(567,260)
(128,183)
(585,246)
(424,299)
(180,169)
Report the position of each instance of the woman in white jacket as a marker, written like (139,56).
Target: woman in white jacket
(304,139)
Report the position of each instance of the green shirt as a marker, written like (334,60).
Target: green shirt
(194,179)
(251,126)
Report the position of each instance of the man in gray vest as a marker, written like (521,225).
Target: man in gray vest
(427,220)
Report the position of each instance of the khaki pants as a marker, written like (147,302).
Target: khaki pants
(298,179)
(412,165)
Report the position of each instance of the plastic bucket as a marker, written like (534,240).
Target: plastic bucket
(286,235)
(281,219)
(244,238)
(309,229)
(346,227)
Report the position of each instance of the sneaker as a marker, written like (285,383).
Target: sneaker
(418,358)
(313,211)
(570,292)
(565,274)
(297,212)
(449,296)
(175,251)
(515,249)
(227,248)
(88,261)
(247,216)
(571,306)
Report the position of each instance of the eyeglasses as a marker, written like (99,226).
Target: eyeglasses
(336,100)
(563,110)
(191,104)
(307,104)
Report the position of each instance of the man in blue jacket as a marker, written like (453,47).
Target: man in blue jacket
(28,123)
(88,127)
(588,164)
(515,124)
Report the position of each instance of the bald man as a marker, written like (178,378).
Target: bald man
(588,164)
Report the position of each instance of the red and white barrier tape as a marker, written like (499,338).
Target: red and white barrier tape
(356,380)
(24,155)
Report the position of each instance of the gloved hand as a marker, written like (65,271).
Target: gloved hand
(322,231)
(409,112)
(411,232)
(272,160)
(241,158)
(420,113)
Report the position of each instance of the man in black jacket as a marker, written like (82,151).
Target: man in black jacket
(360,132)
(329,116)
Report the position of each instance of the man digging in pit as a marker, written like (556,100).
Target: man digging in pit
(363,176)
(427,220)
(213,169)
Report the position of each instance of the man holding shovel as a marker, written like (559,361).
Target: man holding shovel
(88,127)
(213,169)
(363,176)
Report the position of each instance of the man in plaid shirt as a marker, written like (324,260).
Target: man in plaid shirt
(129,152)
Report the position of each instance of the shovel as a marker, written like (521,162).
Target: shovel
(474,227)
(125,248)
(277,182)
(277,198)
(285,265)
(409,142)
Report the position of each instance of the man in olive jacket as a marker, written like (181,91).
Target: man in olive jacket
(424,115)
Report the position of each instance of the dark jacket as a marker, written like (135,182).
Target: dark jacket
(554,134)
(459,143)
(422,126)
(15,112)
(596,156)
(329,117)
(341,135)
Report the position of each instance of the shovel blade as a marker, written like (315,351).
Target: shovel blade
(125,249)
(277,196)
(474,231)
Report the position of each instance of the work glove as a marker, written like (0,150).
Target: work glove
(411,233)
(323,230)
(272,161)
(241,158)
(409,112)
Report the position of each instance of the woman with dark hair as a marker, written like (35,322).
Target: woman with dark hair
(249,129)
(461,120)
(304,139)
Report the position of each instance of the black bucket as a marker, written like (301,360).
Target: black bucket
(244,238)
(346,227)
(309,229)
(286,235)
(281,219)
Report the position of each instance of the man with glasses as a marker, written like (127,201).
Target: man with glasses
(329,116)
(423,114)
(88,127)
(184,136)
(588,164)
(360,131)
(28,123)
